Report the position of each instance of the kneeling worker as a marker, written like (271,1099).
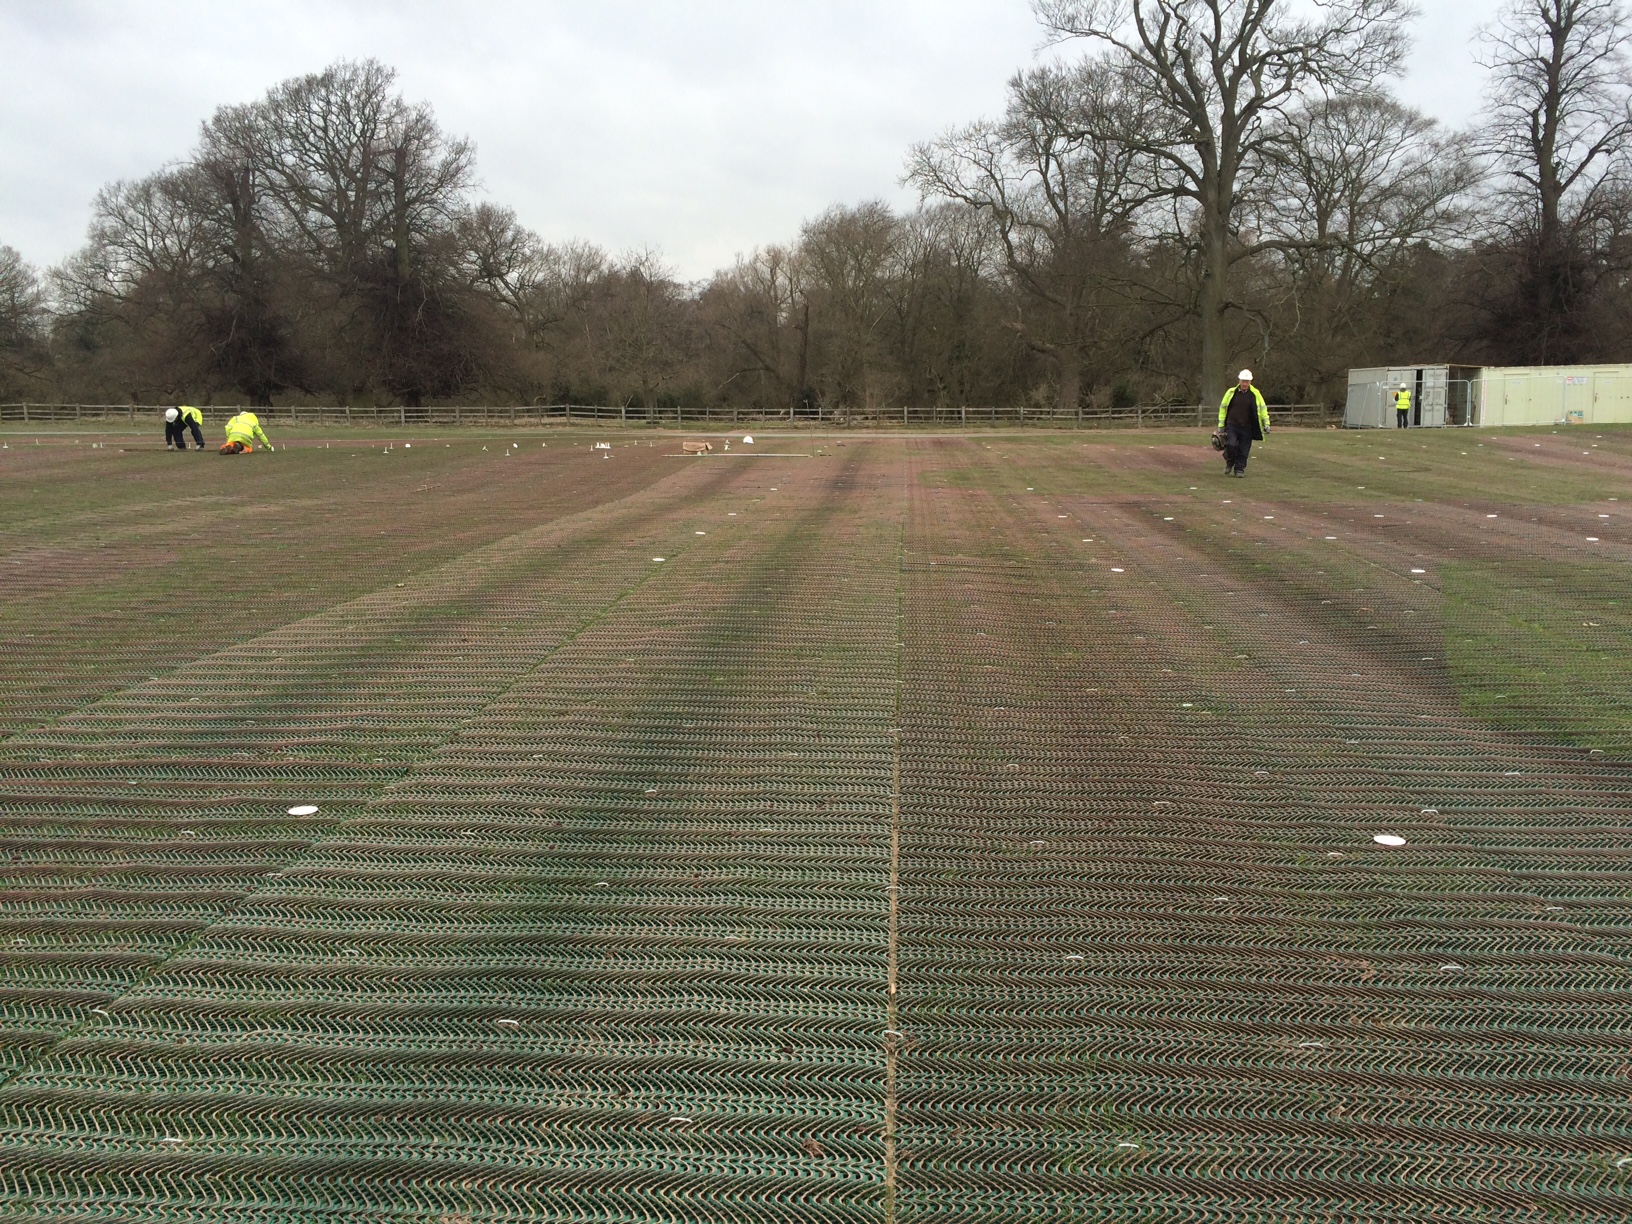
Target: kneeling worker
(176,423)
(243,431)
(1243,418)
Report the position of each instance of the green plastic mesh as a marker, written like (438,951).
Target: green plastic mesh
(614,860)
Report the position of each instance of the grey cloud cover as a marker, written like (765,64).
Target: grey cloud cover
(702,129)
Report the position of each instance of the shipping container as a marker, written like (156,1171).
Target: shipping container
(1491,395)
(1440,395)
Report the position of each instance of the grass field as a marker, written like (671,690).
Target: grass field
(888,829)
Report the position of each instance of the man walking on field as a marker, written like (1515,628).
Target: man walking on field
(243,431)
(1243,418)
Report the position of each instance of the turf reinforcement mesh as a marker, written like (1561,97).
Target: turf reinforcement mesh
(969,829)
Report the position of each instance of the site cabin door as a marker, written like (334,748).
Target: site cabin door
(1577,397)
(1611,396)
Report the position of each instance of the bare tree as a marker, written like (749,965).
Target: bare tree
(368,190)
(951,308)
(1358,181)
(760,312)
(1063,179)
(542,285)
(23,317)
(849,256)
(147,278)
(1220,74)
(1558,126)
(640,321)
(1210,170)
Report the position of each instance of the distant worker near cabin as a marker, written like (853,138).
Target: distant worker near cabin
(243,431)
(177,421)
(1243,418)
(1402,407)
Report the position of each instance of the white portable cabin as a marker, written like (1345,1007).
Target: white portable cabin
(1492,395)
(1555,395)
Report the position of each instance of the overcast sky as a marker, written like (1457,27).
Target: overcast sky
(702,128)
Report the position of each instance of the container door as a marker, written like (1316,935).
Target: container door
(1396,377)
(1435,380)
(1365,407)
(1354,408)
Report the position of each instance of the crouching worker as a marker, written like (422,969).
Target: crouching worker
(243,431)
(177,421)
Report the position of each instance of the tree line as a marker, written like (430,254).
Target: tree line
(1187,186)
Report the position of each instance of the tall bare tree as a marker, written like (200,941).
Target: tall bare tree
(23,316)
(169,278)
(541,284)
(1062,178)
(640,320)
(368,190)
(759,312)
(1220,75)
(1557,133)
(849,256)
(1359,181)
(951,309)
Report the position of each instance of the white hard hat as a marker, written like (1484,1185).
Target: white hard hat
(171,414)
(1245,376)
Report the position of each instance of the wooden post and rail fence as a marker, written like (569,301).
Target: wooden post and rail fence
(963,417)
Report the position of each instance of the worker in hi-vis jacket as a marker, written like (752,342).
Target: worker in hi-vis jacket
(1243,418)
(243,431)
(177,421)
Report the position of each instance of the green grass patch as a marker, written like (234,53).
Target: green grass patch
(1544,649)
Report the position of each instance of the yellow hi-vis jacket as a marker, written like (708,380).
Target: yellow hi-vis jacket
(1263,408)
(189,413)
(1402,401)
(246,428)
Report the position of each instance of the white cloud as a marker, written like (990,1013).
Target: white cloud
(700,127)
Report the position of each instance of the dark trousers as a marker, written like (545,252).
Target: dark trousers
(1237,446)
(1402,418)
(175,434)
